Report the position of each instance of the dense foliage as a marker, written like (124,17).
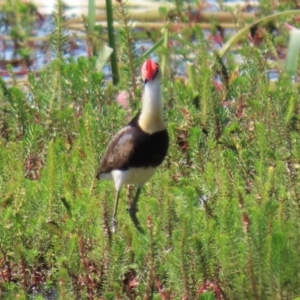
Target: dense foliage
(221,215)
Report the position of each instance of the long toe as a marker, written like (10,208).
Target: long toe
(133,217)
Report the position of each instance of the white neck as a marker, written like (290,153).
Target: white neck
(152,103)
(151,118)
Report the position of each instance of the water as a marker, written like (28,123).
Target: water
(41,52)
(79,7)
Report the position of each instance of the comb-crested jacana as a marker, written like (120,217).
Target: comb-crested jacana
(139,148)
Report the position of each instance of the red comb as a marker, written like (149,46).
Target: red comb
(148,69)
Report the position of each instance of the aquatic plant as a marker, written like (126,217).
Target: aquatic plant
(221,216)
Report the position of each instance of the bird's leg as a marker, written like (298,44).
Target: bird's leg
(133,210)
(115,222)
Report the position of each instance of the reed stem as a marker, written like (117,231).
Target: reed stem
(111,42)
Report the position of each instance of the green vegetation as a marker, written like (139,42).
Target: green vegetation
(221,215)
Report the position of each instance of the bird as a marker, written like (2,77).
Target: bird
(134,153)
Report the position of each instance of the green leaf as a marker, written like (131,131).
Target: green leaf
(239,35)
(67,205)
(54,228)
(292,56)
(152,49)
(103,56)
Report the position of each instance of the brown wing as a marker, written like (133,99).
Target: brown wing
(119,150)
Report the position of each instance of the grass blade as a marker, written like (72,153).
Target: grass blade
(92,10)
(240,34)
(292,57)
(152,49)
(111,41)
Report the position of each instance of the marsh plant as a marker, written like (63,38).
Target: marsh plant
(221,216)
